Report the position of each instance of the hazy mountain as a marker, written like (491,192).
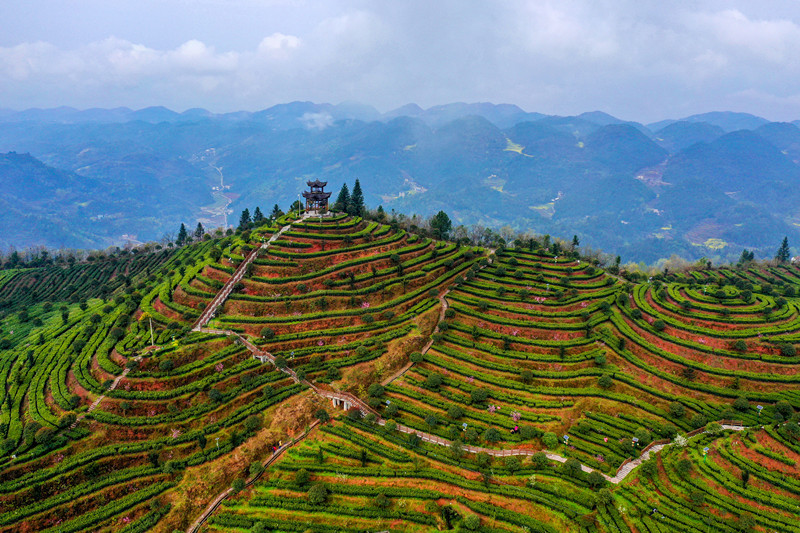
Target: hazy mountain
(616,184)
(785,136)
(683,134)
(727,120)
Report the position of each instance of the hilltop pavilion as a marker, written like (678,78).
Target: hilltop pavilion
(316,198)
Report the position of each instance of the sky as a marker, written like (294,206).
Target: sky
(639,60)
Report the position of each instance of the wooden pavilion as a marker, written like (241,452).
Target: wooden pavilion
(316,198)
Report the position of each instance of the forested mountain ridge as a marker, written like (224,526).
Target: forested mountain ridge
(697,187)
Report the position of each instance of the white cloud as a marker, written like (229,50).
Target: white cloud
(316,121)
(635,59)
(278,41)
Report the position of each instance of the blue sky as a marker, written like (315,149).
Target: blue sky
(639,60)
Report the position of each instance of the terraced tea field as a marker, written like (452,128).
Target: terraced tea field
(139,389)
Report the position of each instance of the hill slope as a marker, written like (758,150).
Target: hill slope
(467,343)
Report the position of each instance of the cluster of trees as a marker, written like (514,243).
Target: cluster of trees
(351,203)
(247,222)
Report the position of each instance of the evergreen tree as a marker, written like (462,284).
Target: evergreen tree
(182,235)
(441,225)
(746,257)
(276,212)
(342,203)
(258,216)
(783,254)
(357,200)
(244,220)
(199,231)
(575,241)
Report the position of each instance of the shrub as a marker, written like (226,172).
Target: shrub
(741,404)
(455,412)
(698,421)
(434,381)
(431,421)
(472,522)
(550,440)
(540,460)
(643,435)
(416,357)
(605,381)
(381,501)
(596,479)
(479,395)
(784,408)
(788,350)
(604,497)
(512,463)
(318,494)
(267,333)
(526,376)
(572,467)
(677,410)
(302,477)
(659,325)
(376,389)
(491,435)
(649,468)
(252,423)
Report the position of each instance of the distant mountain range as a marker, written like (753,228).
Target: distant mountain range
(706,185)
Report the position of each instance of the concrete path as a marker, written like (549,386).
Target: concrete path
(223,294)
(102,396)
(347,401)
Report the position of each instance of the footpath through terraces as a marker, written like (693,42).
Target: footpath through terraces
(348,401)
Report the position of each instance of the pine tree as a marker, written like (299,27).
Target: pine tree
(276,212)
(357,200)
(199,231)
(244,220)
(783,254)
(182,235)
(441,225)
(575,242)
(258,216)
(342,203)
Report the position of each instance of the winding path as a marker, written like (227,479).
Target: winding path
(226,289)
(347,400)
